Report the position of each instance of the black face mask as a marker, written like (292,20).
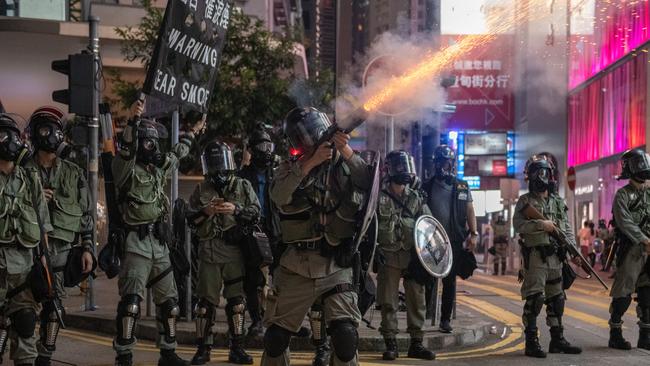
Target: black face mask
(261,159)
(47,137)
(402,179)
(10,145)
(540,181)
(220,179)
(149,152)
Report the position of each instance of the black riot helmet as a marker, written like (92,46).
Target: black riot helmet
(11,145)
(149,143)
(218,163)
(261,147)
(45,128)
(539,173)
(304,127)
(400,167)
(636,165)
(444,161)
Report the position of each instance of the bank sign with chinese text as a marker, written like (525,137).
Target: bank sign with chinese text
(483,88)
(183,69)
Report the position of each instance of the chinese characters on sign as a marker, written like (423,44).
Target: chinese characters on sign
(184,67)
(480,80)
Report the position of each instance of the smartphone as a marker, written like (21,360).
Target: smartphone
(218,201)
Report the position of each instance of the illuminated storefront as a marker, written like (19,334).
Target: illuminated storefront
(607,106)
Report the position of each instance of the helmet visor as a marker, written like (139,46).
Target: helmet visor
(217,159)
(265,147)
(304,135)
(400,164)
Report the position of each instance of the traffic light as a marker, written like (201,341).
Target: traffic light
(81,81)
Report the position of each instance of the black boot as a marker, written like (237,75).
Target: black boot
(42,361)
(202,355)
(168,357)
(417,350)
(533,348)
(125,359)
(644,337)
(237,353)
(616,339)
(445,326)
(391,352)
(496,268)
(559,344)
(321,354)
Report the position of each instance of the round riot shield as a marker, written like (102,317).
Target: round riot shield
(432,246)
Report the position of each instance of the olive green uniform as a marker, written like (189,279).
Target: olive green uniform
(19,231)
(71,221)
(396,241)
(143,203)
(221,265)
(631,210)
(543,268)
(307,272)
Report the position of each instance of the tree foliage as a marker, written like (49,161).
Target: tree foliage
(254,79)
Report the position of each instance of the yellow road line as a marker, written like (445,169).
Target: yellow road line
(578,298)
(589,319)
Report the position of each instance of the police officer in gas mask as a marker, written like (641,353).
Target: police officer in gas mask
(319,192)
(450,202)
(224,206)
(140,171)
(22,204)
(259,173)
(542,272)
(631,210)
(398,210)
(66,191)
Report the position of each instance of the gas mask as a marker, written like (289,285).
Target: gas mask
(149,152)
(262,154)
(48,137)
(218,163)
(402,179)
(539,180)
(11,145)
(444,170)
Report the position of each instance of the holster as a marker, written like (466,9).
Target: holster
(525,253)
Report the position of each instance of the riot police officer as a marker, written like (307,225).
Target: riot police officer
(140,171)
(22,203)
(398,210)
(66,191)
(225,206)
(631,210)
(450,201)
(319,193)
(259,173)
(542,273)
(501,239)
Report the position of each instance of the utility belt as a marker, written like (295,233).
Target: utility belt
(309,245)
(143,230)
(232,236)
(544,251)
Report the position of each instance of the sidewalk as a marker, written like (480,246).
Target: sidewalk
(470,328)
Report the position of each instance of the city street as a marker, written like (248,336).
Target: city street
(495,297)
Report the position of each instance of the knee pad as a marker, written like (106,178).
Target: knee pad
(167,314)
(555,305)
(204,311)
(236,311)
(534,304)
(128,312)
(345,339)
(276,340)
(24,322)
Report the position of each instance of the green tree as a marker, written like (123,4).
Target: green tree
(254,78)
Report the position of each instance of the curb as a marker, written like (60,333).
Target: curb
(433,339)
